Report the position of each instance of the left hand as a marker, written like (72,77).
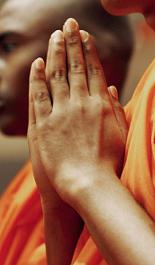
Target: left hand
(83,127)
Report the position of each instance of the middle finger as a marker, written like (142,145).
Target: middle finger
(76,64)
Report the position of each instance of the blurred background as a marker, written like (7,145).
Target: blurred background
(14,151)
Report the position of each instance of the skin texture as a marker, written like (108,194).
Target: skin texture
(81,111)
(79,158)
(70,148)
(47,122)
(25,32)
(67,143)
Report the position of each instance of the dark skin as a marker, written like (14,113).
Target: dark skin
(20,43)
(23,37)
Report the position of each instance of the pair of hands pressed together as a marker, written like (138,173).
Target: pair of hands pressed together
(76,123)
(77,133)
(77,128)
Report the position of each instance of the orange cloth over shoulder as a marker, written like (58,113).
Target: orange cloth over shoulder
(21,227)
(139,168)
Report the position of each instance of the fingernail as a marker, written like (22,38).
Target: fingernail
(113,91)
(39,64)
(71,25)
(84,35)
(57,36)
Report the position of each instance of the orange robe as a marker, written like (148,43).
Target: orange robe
(21,227)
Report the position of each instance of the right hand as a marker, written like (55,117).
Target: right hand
(79,128)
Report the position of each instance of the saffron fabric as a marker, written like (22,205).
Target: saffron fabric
(139,168)
(21,221)
(21,227)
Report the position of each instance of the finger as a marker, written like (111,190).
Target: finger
(32,122)
(56,67)
(32,118)
(76,64)
(96,79)
(38,91)
(119,112)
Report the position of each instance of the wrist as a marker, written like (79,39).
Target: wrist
(85,180)
(52,204)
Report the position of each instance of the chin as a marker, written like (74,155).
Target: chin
(112,7)
(150,19)
(118,7)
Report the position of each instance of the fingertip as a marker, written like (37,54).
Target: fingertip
(39,64)
(113,92)
(70,25)
(57,37)
(37,70)
(84,36)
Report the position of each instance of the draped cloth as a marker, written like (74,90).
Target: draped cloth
(21,227)
(21,222)
(139,168)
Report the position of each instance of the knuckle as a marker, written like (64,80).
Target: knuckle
(58,74)
(94,70)
(37,78)
(77,67)
(79,107)
(58,121)
(41,95)
(59,49)
(72,39)
(40,126)
(98,101)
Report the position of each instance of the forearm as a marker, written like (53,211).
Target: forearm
(121,229)
(62,230)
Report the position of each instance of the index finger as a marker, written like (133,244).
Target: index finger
(96,78)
